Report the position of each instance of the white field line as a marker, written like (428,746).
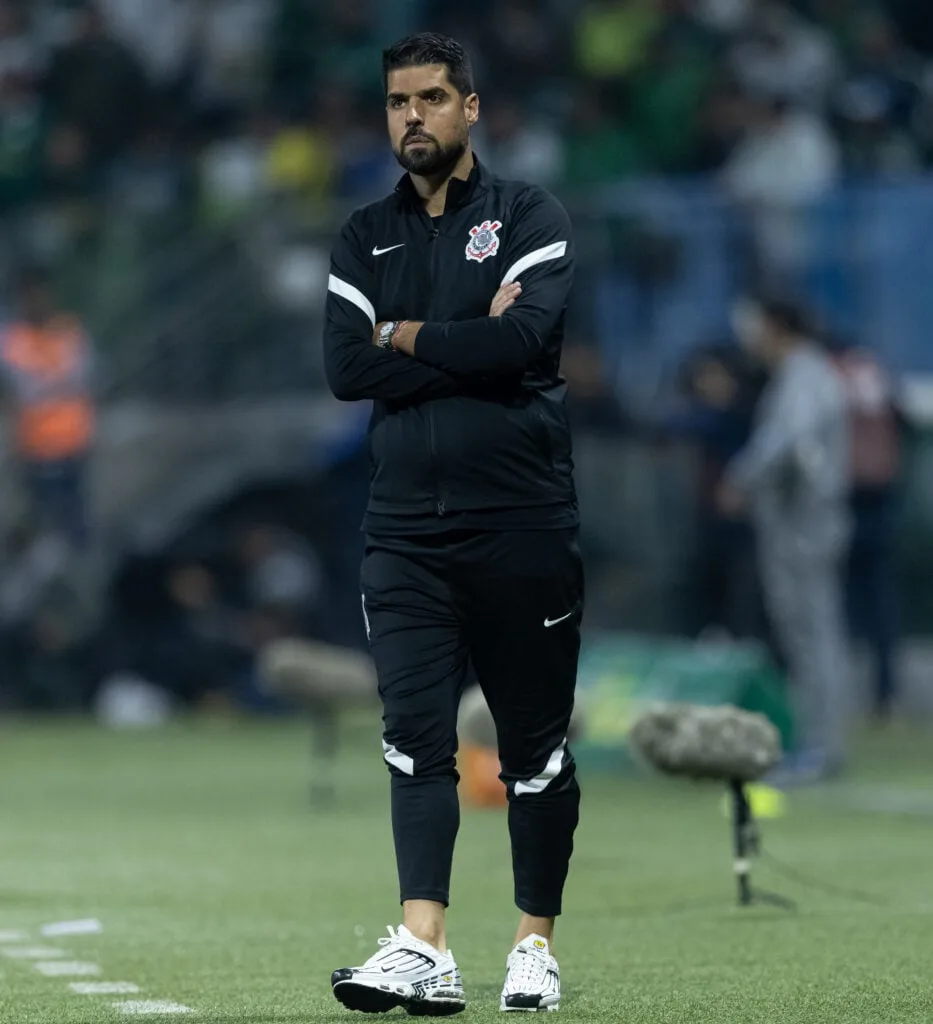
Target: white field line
(31,952)
(48,961)
(86,926)
(103,988)
(66,968)
(144,1006)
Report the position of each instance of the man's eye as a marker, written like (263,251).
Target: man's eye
(436,98)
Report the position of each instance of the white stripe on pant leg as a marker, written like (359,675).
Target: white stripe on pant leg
(395,757)
(551,770)
(365,616)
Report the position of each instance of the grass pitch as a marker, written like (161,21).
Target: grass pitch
(220,888)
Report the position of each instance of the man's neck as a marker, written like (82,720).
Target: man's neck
(433,190)
(789,349)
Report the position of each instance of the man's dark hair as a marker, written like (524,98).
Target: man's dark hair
(430,48)
(788,314)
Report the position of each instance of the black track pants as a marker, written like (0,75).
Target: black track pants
(511,603)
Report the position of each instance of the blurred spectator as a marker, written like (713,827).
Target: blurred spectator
(599,147)
(591,403)
(293,41)
(21,54)
(524,51)
(232,166)
(722,390)
(98,86)
(779,53)
(721,122)
(725,16)
(46,360)
(33,560)
(518,146)
(284,581)
(164,44)
(300,162)
(365,166)
(171,628)
(842,19)
(668,91)
(793,475)
(229,69)
(878,103)
(876,462)
(21,135)
(348,51)
(151,180)
(46,652)
(72,187)
(613,37)
(199,650)
(787,160)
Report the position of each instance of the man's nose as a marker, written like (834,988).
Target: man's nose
(413,114)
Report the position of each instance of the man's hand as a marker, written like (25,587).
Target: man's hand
(504,298)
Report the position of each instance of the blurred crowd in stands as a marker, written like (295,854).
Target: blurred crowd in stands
(190,112)
(210,103)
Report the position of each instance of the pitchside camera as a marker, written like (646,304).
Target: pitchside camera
(721,744)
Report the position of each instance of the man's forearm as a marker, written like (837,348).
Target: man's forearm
(356,371)
(487,346)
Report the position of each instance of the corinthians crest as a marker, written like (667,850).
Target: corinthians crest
(483,240)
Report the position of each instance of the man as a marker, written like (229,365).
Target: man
(722,387)
(794,471)
(446,307)
(877,423)
(46,360)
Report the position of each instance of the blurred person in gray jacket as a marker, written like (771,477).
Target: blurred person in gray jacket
(794,476)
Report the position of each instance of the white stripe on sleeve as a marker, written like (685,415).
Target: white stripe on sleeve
(351,294)
(554,251)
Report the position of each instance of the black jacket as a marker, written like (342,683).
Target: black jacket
(473,429)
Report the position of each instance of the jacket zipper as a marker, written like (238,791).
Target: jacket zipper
(440,504)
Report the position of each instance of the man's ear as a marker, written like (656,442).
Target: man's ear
(471,106)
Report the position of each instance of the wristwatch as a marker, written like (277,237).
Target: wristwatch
(387,333)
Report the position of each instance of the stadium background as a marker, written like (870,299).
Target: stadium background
(183,176)
(181,167)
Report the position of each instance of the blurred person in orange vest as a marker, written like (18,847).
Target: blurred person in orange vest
(876,425)
(46,362)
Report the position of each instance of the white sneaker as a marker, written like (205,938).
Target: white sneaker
(405,972)
(532,980)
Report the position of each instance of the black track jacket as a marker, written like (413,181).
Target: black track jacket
(472,431)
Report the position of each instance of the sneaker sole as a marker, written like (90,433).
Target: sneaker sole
(366,999)
(553,1008)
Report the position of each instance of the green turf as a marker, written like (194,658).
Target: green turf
(220,888)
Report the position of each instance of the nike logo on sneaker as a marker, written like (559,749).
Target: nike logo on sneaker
(378,252)
(553,622)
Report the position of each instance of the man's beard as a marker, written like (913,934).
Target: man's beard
(433,159)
